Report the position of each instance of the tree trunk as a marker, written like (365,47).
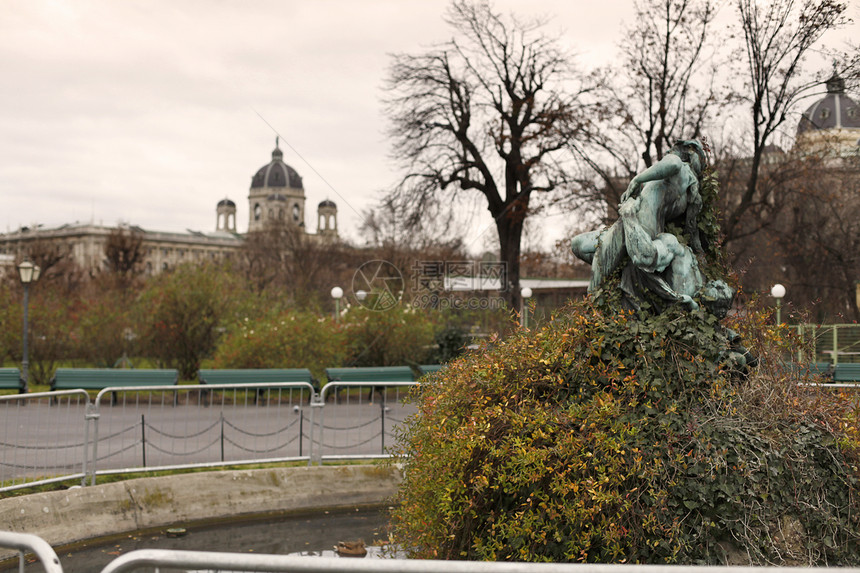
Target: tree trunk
(510,231)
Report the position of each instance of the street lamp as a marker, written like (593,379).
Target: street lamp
(526,292)
(777,292)
(29,273)
(361,295)
(337,294)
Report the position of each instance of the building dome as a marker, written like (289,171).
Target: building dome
(834,111)
(276,173)
(327,203)
(226,203)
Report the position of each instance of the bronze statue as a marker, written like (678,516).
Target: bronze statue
(656,261)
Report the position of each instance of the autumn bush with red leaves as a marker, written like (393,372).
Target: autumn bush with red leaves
(616,437)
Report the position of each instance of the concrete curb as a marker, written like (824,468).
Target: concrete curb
(74,515)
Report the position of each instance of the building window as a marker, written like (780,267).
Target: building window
(258,212)
(825,113)
(296,212)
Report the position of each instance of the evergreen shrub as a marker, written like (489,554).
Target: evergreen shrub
(614,436)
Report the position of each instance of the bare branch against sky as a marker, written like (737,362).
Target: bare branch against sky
(147,111)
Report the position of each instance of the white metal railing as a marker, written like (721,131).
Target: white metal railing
(199,560)
(45,437)
(25,543)
(386,419)
(56,436)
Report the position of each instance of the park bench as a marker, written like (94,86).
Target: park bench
(101,378)
(426,369)
(823,369)
(370,374)
(846,372)
(10,379)
(260,376)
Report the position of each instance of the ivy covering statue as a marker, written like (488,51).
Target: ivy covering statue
(621,432)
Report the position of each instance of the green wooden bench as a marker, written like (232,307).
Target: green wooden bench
(101,378)
(426,369)
(10,379)
(261,376)
(846,372)
(370,374)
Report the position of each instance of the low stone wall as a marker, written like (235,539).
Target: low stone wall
(73,515)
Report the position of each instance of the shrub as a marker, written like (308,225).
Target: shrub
(608,436)
(283,339)
(399,336)
(180,314)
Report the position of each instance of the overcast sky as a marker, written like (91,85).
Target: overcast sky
(152,111)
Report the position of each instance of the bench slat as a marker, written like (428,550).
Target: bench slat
(371,374)
(10,379)
(100,378)
(846,372)
(255,376)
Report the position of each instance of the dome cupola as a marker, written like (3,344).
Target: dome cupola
(831,114)
(276,173)
(277,195)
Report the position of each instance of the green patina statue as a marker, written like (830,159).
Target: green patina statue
(652,260)
(652,250)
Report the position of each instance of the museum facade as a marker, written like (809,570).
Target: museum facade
(276,197)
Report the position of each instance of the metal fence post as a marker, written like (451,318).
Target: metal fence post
(93,414)
(835,345)
(143,438)
(315,453)
(382,417)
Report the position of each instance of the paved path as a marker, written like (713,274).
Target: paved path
(148,430)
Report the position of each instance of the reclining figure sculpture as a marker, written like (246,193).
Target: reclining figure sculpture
(655,260)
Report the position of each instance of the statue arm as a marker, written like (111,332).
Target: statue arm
(667,167)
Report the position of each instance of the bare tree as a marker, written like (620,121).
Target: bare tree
(667,89)
(811,239)
(662,88)
(490,111)
(286,258)
(124,252)
(776,36)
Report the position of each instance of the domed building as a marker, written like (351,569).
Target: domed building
(276,197)
(832,122)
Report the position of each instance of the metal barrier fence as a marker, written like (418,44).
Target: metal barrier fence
(833,343)
(223,562)
(45,438)
(26,543)
(58,436)
(369,431)
(215,561)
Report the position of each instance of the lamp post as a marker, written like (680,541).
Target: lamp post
(28,272)
(337,294)
(360,295)
(526,292)
(777,292)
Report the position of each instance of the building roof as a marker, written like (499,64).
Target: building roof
(834,111)
(276,173)
(327,203)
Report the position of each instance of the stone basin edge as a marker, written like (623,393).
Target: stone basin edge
(79,514)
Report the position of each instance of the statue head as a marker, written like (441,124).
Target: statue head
(687,149)
(717,297)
